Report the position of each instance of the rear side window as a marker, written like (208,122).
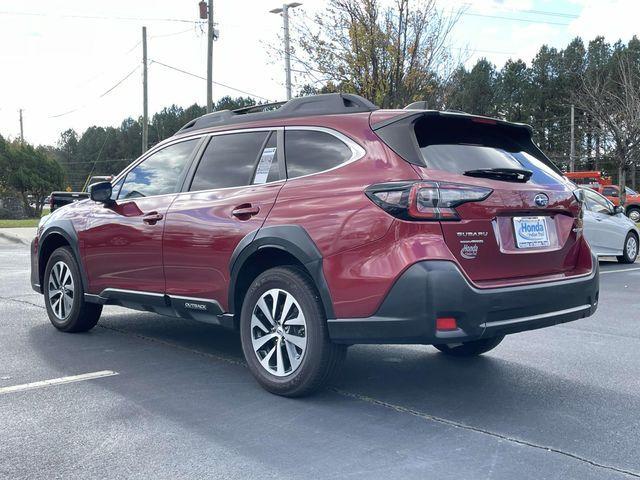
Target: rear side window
(229,160)
(311,151)
(160,173)
(610,192)
(459,145)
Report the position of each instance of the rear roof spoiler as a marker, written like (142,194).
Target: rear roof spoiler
(447,113)
(398,133)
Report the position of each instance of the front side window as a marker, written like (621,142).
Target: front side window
(158,174)
(311,151)
(228,161)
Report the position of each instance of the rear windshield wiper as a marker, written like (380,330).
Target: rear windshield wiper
(504,174)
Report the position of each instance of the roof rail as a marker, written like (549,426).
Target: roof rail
(262,107)
(326,104)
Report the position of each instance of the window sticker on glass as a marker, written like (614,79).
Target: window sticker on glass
(264,165)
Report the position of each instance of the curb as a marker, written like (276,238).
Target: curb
(13,238)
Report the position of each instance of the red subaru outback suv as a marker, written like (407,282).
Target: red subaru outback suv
(324,223)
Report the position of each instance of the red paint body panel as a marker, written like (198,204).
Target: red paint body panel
(201,234)
(489,226)
(360,278)
(331,206)
(120,250)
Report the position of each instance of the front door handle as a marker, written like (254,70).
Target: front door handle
(245,211)
(152,218)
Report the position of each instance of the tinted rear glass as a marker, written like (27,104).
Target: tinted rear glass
(459,145)
(310,151)
(228,161)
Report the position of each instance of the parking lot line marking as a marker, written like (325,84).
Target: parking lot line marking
(620,270)
(57,381)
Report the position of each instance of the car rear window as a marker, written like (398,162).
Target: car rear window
(311,151)
(458,145)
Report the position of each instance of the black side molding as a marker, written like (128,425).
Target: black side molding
(200,309)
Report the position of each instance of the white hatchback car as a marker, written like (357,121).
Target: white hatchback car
(608,231)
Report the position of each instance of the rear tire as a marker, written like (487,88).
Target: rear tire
(283,329)
(630,249)
(64,294)
(470,349)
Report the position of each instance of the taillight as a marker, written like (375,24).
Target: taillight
(424,200)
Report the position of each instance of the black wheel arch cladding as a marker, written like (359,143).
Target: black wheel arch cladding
(292,239)
(65,229)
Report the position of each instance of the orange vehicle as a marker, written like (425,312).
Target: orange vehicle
(591,179)
(604,186)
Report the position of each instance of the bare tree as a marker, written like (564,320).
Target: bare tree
(390,55)
(612,100)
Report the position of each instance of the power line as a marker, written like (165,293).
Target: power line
(190,29)
(107,92)
(535,12)
(99,17)
(119,82)
(551,14)
(203,78)
(514,19)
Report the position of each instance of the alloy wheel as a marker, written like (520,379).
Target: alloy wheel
(61,290)
(635,215)
(632,247)
(278,332)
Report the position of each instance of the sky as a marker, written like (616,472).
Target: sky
(77,63)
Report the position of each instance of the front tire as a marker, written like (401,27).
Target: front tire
(630,249)
(470,349)
(634,214)
(283,329)
(64,294)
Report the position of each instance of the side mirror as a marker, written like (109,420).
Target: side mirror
(618,209)
(100,192)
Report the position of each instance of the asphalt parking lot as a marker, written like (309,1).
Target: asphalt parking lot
(558,403)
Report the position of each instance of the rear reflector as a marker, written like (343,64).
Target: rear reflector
(446,323)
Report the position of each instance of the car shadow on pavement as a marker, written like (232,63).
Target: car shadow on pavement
(162,369)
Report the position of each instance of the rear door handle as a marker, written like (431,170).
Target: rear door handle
(152,218)
(245,211)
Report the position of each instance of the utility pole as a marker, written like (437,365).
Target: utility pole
(572,152)
(145,99)
(287,48)
(210,38)
(206,13)
(21,129)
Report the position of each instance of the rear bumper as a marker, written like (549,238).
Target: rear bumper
(433,289)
